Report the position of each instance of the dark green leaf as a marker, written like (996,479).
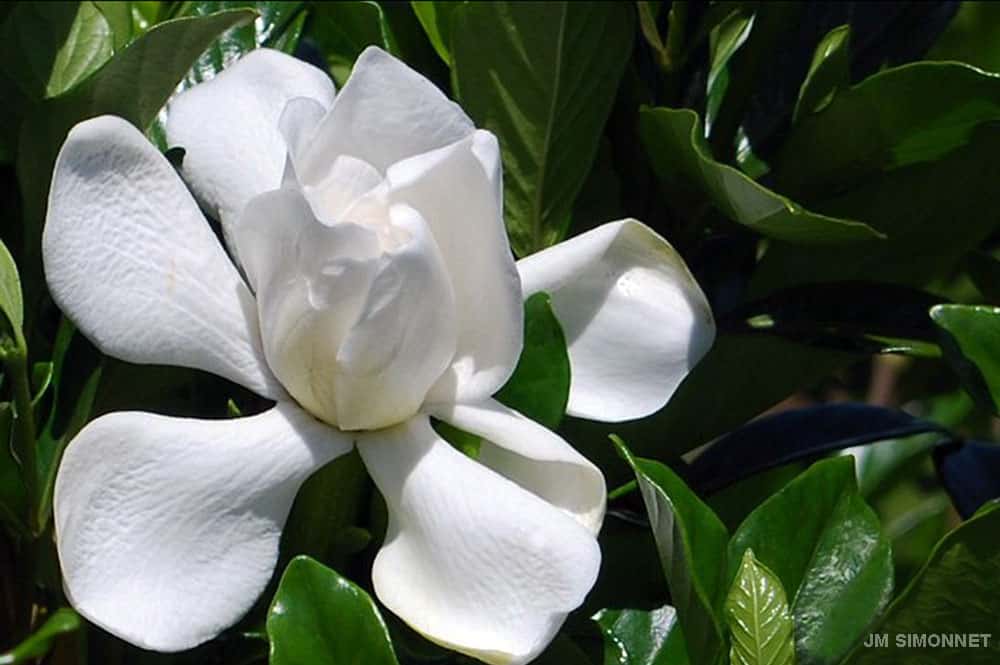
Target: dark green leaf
(825,545)
(344,29)
(119,17)
(758,617)
(673,140)
(954,593)
(61,622)
(984,271)
(973,36)
(49,47)
(13,495)
(435,17)
(539,387)
(692,545)
(829,71)
(971,342)
(725,39)
(530,73)
(317,616)
(640,637)
(907,115)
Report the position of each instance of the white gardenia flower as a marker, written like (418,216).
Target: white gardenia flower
(379,291)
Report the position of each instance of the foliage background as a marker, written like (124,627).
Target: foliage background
(827,169)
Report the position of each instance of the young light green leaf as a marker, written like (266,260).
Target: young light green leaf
(954,593)
(435,17)
(829,71)
(640,637)
(38,644)
(529,73)
(758,617)
(692,545)
(11,300)
(49,47)
(539,386)
(317,616)
(673,140)
(825,545)
(971,343)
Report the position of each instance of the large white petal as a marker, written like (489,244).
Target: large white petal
(458,190)
(635,319)
(534,457)
(386,112)
(229,128)
(168,528)
(471,560)
(130,258)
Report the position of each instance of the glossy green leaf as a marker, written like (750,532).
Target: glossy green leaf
(692,545)
(973,36)
(724,40)
(829,71)
(317,616)
(529,72)
(344,29)
(640,637)
(11,300)
(61,622)
(435,17)
(159,59)
(119,17)
(758,617)
(49,47)
(826,547)
(971,342)
(954,593)
(906,115)
(539,386)
(674,143)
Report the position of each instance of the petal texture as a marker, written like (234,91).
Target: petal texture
(458,190)
(229,128)
(130,258)
(168,528)
(471,560)
(386,112)
(635,319)
(534,457)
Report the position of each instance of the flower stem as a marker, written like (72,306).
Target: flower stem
(15,361)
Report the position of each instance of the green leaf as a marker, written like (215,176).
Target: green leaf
(119,17)
(61,622)
(72,401)
(344,29)
(134,84)
(725,39)
(826,547)
(638,637)
(973,36)
(906,115)
(49,47)
(317,616)
(971,342)
(529,73)
(954,592)
(11,300)
(674,143)
(692,545)
(13,494)
(758,617)
(539,386)
(829,71)
(435,17)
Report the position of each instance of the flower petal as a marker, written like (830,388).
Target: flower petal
(386,112)
(168,528)
(534,457)
(229,128)
(471,560)
(635,319)
(130,258)
(457,189)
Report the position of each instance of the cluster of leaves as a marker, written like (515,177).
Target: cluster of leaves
(825,168)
